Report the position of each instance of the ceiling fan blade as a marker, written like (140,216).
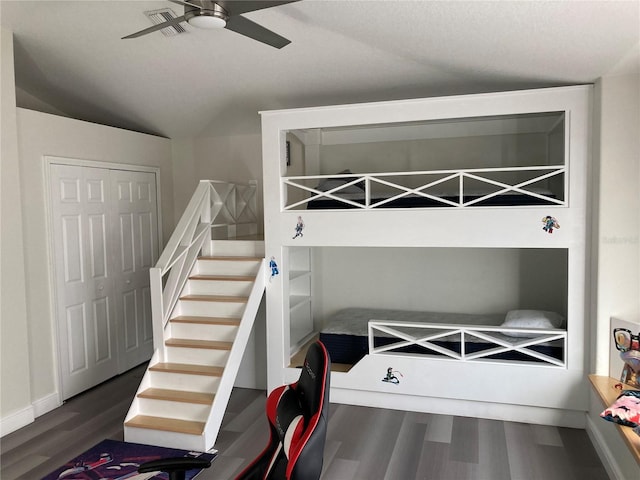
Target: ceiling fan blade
(186,4)
(250,29)
(238,7)
(155,28)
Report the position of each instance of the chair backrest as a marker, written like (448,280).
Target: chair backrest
(312,389)
(297,415)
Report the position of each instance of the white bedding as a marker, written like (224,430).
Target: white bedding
(354,321)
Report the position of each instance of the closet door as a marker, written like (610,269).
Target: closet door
(105,227)
(135,251)
(87,333)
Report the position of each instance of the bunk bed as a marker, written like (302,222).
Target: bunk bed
(453,176)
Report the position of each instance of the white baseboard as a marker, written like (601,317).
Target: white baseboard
(16,420)
(46,404)
(464,408)
(604,452)
(27,415)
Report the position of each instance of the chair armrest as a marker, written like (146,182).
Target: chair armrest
(174,465)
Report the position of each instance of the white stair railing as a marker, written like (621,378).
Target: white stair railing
(217,210)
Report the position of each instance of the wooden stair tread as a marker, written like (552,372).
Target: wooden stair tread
(231,258)
(224,278)
(214,298)
(177,396)
(190,343)
(233,321)
(190,427)
(191,369)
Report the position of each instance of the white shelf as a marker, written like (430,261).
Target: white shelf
(296,274)
(296,301)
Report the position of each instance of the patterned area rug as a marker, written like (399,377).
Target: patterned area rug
(113,460)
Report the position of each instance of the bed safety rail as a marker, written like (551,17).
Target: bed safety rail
(452,188)
(544,347)
(217,210)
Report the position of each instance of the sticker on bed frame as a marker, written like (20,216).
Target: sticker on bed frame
(299,228)
(550,223)
(390,377)
(274,267)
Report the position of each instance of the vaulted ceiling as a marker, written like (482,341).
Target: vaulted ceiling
(70,57)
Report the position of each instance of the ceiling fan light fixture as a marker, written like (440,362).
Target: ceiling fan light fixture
(209,22)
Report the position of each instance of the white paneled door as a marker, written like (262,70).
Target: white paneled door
(105,227)
(135,251)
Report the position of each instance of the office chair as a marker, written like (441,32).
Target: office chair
(297,415)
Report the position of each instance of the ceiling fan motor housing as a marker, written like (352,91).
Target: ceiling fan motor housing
(208,15)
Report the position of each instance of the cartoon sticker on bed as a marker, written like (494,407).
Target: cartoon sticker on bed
(299,228)
(549,223)
(390,376)
(274,268)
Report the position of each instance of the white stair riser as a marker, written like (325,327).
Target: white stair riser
(210,309)
(227,267)
(179,410)
(197,356)
(197,331)
(234,288)
(186,382)
(180,441)
(239,248)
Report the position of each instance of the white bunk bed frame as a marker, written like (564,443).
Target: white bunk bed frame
(517,391)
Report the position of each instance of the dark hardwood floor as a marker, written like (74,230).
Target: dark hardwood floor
(362,443)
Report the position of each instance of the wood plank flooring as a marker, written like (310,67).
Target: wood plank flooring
(362,443)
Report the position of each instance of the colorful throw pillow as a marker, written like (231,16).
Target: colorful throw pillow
(625,410)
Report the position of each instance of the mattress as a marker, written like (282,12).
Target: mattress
(418,201)
(346,334)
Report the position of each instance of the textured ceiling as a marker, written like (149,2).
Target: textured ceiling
(70,57)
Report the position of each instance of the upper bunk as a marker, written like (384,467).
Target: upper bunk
(507,160)
(468,159)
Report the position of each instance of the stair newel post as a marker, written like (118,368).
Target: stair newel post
(232,208)
(207,246)
(157,309)
(253,202)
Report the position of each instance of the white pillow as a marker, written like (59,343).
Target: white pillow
(531,319)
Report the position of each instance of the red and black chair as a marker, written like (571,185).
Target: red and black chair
(297,415)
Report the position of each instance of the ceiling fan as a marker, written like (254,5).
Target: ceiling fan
(224,14)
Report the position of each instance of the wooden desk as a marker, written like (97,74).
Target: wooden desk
(605,387)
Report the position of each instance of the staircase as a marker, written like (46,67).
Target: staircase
(205,294)
(184,393)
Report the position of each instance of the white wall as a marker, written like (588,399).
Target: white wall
(185,179)
(41,134)
(235,158)
(462,280)
(15,396)
(616,245)
(618,234)
(486,151)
